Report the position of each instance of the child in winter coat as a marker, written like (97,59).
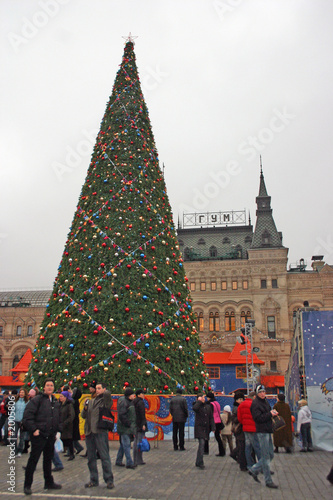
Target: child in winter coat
(226,433)
(304,425)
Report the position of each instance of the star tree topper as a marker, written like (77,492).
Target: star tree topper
(130,38)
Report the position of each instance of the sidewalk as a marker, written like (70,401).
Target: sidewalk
(170,475)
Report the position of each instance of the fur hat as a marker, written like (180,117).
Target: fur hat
(260,388)
(128,392)
(211,396)
(238,395)
(93,385)
(302,402)
(227,408)
(138,392)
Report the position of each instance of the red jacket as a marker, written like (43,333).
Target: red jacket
(245,417)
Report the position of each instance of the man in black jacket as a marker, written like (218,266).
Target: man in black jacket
(141,426)
(203,425)
(179,412)
(42,419)
(262,415)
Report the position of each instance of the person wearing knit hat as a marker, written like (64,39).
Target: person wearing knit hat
(262,415)
(141,426)
(304,425)
(126,428)
(67,416)
(179,412)
(226,433)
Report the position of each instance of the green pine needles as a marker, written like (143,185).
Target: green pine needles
(120,311)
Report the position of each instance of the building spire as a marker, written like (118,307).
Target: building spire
(265,234)
(262,186)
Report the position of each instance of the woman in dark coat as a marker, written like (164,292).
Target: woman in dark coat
(283,437)
(203,425)
(76,428)
(67,417)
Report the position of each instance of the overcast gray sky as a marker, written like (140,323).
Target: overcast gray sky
(224,81)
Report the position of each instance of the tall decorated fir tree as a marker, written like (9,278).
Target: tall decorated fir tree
(120,311)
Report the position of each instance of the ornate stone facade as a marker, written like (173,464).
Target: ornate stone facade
(234,273)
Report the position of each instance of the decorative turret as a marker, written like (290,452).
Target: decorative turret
(265,234)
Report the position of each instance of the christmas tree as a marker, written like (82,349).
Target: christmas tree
(120,311)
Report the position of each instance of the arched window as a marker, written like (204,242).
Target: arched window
(226,241)
(230,323)
(186,253)
(200,322)
(214,322)
(181,243)
(248,239)
(201,242)
(245,315)
(213,251)
(16,359)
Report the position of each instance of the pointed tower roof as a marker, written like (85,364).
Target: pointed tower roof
(265,234)
(262,186)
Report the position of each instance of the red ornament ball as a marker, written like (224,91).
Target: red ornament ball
(61,336)
(166,387)
(128,361)
(85,385)
(126,384)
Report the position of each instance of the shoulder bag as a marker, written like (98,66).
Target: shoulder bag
(106,419)
(278,423)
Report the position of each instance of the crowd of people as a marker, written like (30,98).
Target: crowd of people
(247,429)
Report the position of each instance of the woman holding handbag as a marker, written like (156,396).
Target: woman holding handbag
(218,423)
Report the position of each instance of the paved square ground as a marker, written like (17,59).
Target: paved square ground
(172,475)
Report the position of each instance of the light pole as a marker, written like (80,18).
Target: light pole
(250,324)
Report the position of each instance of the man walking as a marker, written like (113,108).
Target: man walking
(141,426)
(203,425)
(244,416)
(42,420)
(97,440)
(262,415)
(126,428)
(179,413)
